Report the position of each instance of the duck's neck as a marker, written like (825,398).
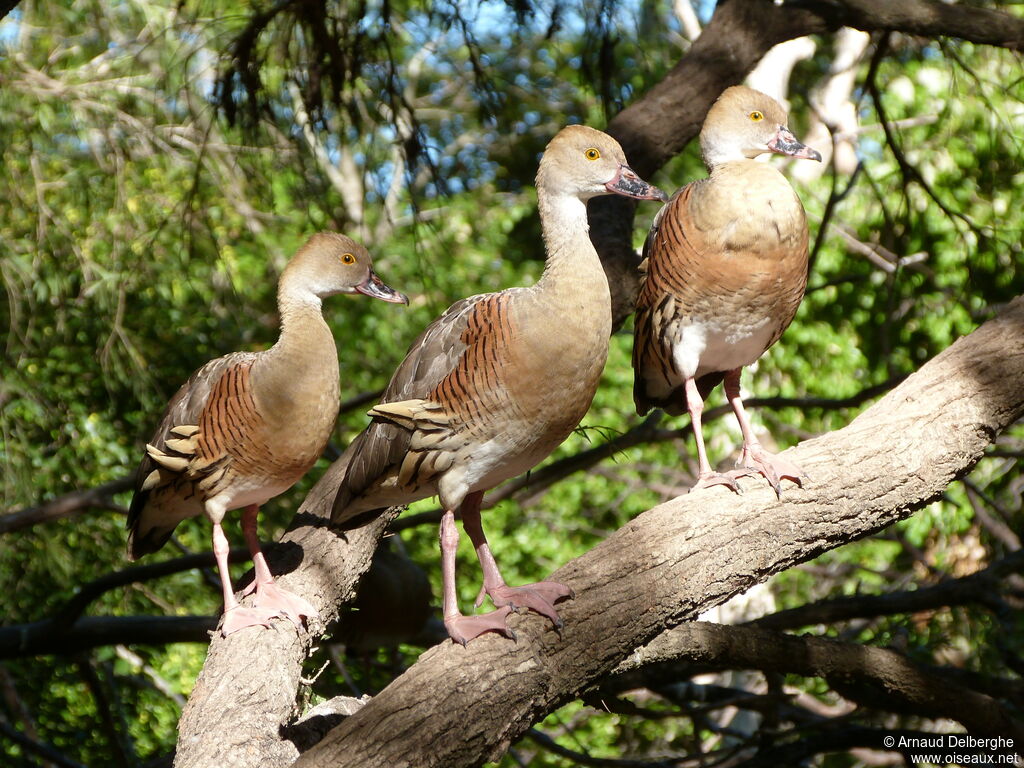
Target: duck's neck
(572,265)
(304,357)
(302,319)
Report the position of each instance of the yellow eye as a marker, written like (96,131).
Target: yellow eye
(348,258)
(592,153)
(756,116)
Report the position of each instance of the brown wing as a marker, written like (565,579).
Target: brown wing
(176,439)
(669,247)
(382,446)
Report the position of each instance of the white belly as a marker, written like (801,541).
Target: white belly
(701,348)
(242,493)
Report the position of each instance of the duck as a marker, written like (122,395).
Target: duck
(724,269)
(496,383)
(247,426)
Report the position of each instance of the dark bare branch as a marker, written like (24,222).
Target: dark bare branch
(39,639)
(6,6)
(978,588)
(831,740)
(100,497)
(580,758)
(884,675)
(43,751)
(933,18)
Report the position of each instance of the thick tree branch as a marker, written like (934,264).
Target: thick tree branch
(889,675)
(644,433)
(231,697)
(692,553)
(934,18)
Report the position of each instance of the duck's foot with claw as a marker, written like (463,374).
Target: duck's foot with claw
(539,598)
(239,618)
(708,479)
(757,461)
(272,598)
(462,629)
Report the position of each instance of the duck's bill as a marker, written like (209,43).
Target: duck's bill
(627,183)
(785,143)
(375,287)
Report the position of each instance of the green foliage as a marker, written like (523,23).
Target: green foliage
(143,235)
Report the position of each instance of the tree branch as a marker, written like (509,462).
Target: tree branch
(979,587)
(695,552)
(646,432)
(933,18)
(886,674)
(40,639)
(44,751)
(100,497)
(579,758)
(249,685)
(247,690)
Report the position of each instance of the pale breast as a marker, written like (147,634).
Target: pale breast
(727,268)
(557,361)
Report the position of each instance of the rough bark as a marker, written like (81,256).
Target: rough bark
(690,554)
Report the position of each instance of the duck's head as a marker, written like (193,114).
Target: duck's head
(745,123)
(585,163)
(330,263)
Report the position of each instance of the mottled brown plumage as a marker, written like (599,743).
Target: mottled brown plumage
(245,427)
(498,381)
(725,267)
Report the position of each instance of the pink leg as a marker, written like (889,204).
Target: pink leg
(235,617)
(221,547)
(755,458)
(539,597)
(708,477)
(270,597)
(461,628)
